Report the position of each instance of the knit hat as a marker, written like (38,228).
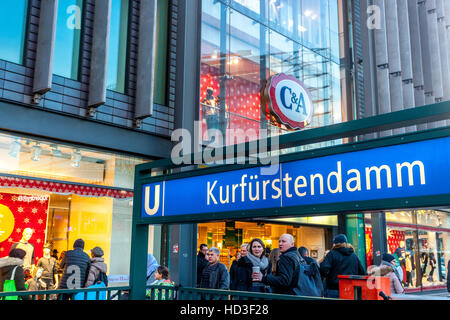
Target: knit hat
(340,238)
(97,252)
(17,253)
(387,257)
(79,243)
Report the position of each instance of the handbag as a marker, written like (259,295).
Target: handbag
(92,295)
(10,286)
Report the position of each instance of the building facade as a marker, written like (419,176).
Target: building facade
(79,109)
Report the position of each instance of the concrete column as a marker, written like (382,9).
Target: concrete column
(447,27)
(99,55)
(426,56)
(435,55)
(379,237)
(146,59)
(443,46)
(370,68)
(416,55)
(43,69)
(382,63)
(186,112)
(406,57)
(394,59)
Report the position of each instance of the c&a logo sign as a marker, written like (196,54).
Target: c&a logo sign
(289,101)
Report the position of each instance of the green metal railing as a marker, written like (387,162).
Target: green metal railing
(107,293)
(185,293)
(155,292)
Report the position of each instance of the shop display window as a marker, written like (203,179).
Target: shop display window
(63,197)
(420,241)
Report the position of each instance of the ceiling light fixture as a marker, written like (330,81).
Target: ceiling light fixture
(55,151)
(36,152)
(76,158)
(15,148)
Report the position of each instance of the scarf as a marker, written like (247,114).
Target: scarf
(393,267)
(262,262)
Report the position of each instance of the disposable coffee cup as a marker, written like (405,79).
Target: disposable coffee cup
(255,269)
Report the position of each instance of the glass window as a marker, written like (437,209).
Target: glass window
(117,55)
(40,159)
(13,17)
(64,193)
(67,41)
(420,240)
(240,51)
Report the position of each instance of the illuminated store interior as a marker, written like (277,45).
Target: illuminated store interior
(64,193)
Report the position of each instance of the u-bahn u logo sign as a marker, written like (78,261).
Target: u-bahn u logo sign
(289,101)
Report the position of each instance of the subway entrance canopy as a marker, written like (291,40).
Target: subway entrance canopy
(401,171)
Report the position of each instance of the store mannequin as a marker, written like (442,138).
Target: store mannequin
(50,268)
(210,112)
(28,260)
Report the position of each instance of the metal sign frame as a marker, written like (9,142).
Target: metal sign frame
(399,119)
(316,209)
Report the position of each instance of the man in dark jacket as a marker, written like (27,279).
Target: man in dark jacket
(202,261)
(215,275)
(285,279)
(448,277)
(341,260)
(76,264)
(7,265)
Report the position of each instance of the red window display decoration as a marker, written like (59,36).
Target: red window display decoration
(28,212)
(369,246)
(394,239)
(64,188)
(242,100)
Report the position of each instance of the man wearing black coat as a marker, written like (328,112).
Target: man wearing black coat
(285,279)
(341,260)
(448,277)
(215,275)
(75,265)
(202,261)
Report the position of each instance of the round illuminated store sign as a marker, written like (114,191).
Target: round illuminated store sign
(289,101)
(6,222)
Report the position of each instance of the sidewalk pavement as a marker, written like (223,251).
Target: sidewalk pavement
(439,295)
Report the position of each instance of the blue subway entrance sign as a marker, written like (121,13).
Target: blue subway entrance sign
(406,170)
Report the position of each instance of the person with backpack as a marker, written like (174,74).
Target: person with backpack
(12,277)
(284,280)
(305,255)
(75,264)
(340,260)
(98,269)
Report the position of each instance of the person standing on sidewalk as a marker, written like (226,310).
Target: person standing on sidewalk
(254,261)
(448,278)
(340,260)
(215,275)
(388,269)
(202,261)
(284,280)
